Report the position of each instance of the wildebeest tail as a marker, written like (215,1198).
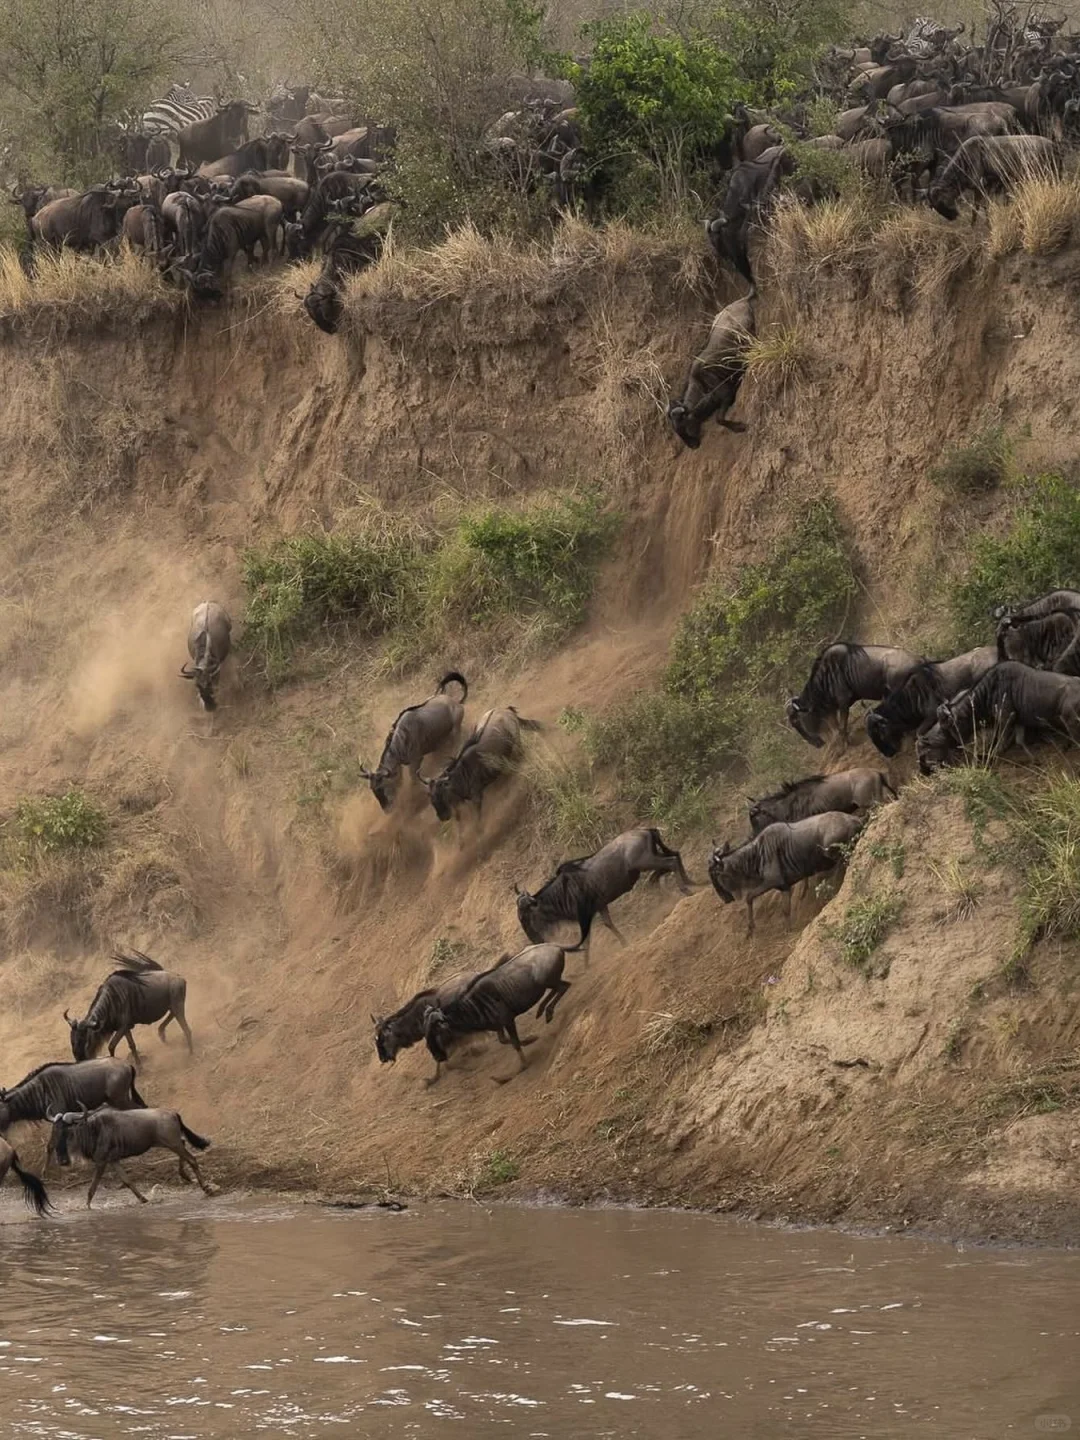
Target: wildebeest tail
(449,678)
(140,1103)
(134,960)
(527,724)
(658,842)
(197,1141)
(886,786)
(34,1192)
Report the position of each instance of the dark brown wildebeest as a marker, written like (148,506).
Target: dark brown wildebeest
(327,194)
(1033,609)
(63,1084)
(209,642)
(496,998)
(34,1192)
(417,731)
(254,155)
(33,198)
(141,993)
(405,1027)
(989,165)
(934,748)
(581,890)
(715,375)
(1012,699)
(208,140)
(291,192)
(847,790)
(780,857)
(843,673)
(272,213)
(913,704)
(185,218)
(84,222)
(349,246)
(109,1136)
(750,193)
(1042,642)
(493,749)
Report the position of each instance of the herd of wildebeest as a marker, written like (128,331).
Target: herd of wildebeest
(1022,688)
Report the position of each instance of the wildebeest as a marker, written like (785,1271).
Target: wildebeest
(497,997)
(348,247)
(109,1136)
(143,228)
(580,890)
(84,222)
(779,857)
(405,1027)
(291,192)
(208,140)
(33,198)
(1013,699)
(271,212)
(64,1084)
(253,155)
(340,186)
(843,673)
(934,747)
(491,750)
(185,218)
(847,790)
(417,731)
(34,1192)
(715,375)
(913,704)
(209,642)
(991,164)
(1039,642)
(1043,605)
(751,190)
(141,993)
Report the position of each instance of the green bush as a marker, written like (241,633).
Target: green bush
(535,563)
(71,821)
(866,922)
(1039,552)
(832,173)
(746,640)
(981,464)
(301,582)
(1047,826)
(533,567)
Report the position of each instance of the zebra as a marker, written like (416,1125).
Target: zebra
(180,106)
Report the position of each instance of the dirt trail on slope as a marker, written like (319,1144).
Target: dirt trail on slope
(690,1066)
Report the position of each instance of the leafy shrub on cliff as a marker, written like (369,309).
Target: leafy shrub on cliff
(1040,551)
(531,569)
(537,563)
(980,464)
(72,821)
(748,638)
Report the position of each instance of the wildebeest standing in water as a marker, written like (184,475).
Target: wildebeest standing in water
(209,642)
(581,890)
(108,1137)
(417,731)
(493,748)
(496,998)
(141,993)
(847,790)
(34,1192)
(780,857)
(715,375)
(843,673)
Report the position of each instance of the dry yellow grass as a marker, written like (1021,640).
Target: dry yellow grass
(1047,210)
(1003,229)
(834,233)
(78,290)
(776,358)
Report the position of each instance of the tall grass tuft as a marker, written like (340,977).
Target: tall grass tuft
(777,358)
(1047,210)
(75,291)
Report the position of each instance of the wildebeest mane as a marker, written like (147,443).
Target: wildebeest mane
(48,1065)
(826,665)
(32,1097)
(789,787)
(134,961)
(918,694)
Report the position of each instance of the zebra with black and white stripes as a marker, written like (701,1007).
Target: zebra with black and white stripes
(179,107)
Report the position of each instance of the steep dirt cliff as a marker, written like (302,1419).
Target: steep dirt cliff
(692,1066)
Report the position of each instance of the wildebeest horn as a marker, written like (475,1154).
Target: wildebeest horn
(187,672)
(69,1020)
(364,771)
(50,1117)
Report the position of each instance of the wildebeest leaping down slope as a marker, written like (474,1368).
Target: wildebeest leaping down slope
(141,993)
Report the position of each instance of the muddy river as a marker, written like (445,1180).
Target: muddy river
(234,1318)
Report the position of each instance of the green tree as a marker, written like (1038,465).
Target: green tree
(70,68)
(655,96)
(774,42)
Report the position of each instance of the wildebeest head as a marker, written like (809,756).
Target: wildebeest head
(886,737)
(442,794)
(685,424)
(760,814)
(325,306)
(387,1040)
(942,200)
(383,785)
(806,722)
(718,866)
(86,1037)
(527,909)
(62,1124)
(438,1035)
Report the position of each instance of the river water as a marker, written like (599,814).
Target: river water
(189,1318)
